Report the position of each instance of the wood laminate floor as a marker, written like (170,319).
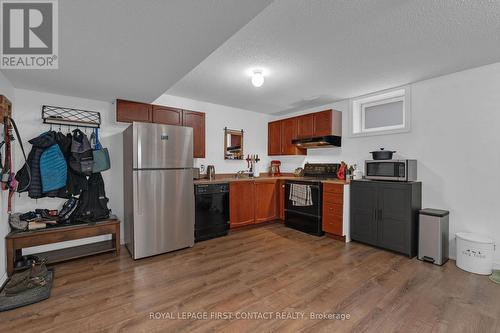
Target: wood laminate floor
(269,269)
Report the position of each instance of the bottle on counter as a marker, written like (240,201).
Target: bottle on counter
(357,174)
(256,172)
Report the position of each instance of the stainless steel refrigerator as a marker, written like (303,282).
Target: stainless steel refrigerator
(158,188)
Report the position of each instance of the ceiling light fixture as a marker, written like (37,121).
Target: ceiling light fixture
(257,78)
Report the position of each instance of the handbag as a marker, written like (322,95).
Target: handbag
(101,156)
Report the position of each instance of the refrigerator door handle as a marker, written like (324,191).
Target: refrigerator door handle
(138,188)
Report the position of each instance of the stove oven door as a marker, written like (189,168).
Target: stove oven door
(304,218)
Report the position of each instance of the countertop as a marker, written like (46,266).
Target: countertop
(228,178)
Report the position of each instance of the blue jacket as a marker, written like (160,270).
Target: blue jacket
(53,169)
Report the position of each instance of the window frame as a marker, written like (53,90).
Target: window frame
(358,105)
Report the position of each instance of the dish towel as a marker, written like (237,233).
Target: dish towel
(300,195)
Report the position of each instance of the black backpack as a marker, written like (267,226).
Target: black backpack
(93,203)
(81,159)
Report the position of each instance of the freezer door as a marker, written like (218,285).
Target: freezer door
(162,146)
(163,211)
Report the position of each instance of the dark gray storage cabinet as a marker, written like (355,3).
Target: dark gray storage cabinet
(385,214)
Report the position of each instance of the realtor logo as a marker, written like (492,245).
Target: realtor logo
(29,34)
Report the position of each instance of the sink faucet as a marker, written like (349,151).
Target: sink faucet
(240,174)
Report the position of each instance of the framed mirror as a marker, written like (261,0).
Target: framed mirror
(233,144)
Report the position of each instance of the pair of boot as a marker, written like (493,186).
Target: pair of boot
(33,277)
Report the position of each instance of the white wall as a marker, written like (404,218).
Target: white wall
(7,90)
(28,117)
(217,116)
(455,137)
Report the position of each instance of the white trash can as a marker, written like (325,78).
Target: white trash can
(475,253)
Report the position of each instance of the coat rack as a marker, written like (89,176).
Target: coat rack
(5,108)
(70,117)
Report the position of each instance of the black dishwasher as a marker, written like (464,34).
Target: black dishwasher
(212,211)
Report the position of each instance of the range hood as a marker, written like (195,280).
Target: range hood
(319,142)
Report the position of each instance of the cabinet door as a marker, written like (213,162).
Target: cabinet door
(274,138)
(394,215)
(333,209)
(305,126)
(128,111)
(323,123)
(289,133)
(281,199)
(363,212)
(196,120)
(166,115)
(241,203)
(266,204)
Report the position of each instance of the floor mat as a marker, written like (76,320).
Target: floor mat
(27,297)
(495,277)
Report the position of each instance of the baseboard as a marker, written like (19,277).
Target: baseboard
(336,237)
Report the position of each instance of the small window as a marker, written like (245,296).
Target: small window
(380,113)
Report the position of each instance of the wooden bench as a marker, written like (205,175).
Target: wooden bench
(17,240)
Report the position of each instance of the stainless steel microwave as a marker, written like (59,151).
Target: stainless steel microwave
(396,170)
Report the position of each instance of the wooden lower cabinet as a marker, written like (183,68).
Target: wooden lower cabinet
(241,203)
(266,204)
(253,202)
(333,209)
(281,200)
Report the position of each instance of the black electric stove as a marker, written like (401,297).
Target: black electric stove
(307,218)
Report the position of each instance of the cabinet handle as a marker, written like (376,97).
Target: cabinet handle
(375,213)
(380,214)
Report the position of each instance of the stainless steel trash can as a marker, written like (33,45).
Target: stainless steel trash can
(433,235)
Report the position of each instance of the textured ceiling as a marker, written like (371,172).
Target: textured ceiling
(316,52)
(134,49)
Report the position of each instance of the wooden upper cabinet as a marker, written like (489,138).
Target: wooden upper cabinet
(167,115)
(305,126)
(282,132)
(196,120)
(322,123)
(128,111)
(289,133)
(274,138)
(241,203)
(266,206)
